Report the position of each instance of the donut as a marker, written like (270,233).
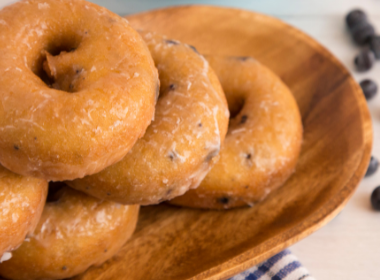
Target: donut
(263,141)
(182,143)
(78,88)
(21,202)
(75,232)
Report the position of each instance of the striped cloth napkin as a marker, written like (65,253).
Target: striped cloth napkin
(283,266)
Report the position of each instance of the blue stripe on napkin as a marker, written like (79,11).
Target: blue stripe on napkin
(283,266)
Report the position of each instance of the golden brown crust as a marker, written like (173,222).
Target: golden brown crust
(78,88)
(182,143)
(21,202)
(75,232)
(263,142)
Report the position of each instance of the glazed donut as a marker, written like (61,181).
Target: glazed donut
(75,232)
(78,88)
(183,141)
(263,141)
(21,202)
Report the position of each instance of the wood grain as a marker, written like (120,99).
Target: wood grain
(177,243)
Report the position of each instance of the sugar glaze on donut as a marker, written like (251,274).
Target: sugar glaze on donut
(263,142)
(75,232)
(183,141)
(78,88)
(21,202)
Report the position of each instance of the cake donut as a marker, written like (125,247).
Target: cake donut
(78,88)
(75,232)
(263,141)
(21,202)
(182,143)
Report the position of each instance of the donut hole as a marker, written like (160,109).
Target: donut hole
(68,45)
(54,64)
(54,191)
(235,106)
(46,79)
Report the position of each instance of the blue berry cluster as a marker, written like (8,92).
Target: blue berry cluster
(364,34)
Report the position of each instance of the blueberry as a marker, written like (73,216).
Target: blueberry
(362,33)
(369,88)
(364,60)
(355,17)
(374,44)
(375,198)
(372,167)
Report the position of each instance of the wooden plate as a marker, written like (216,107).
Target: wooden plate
(179,244)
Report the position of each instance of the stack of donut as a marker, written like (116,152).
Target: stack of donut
(97,119)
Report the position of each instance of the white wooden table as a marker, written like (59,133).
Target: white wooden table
(349,246)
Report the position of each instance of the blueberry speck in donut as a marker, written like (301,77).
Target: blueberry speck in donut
(212,154)
(369,88)
(172,87)
(372,167)
(243,119)
(248,156)
(243,58)
(16,147)
(172,155)
(246,187)
(200,125)
(194,49)
(105,251)
(64,267)
(223,200)
(171,42)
